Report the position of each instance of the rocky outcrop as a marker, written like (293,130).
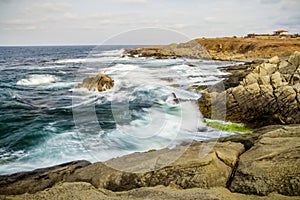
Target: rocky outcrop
(189,49)
(271,165)
(99,82)
(241,166)
(222,48)
(39,179)
(269,94)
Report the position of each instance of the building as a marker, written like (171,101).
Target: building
(281,32)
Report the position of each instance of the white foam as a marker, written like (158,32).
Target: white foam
(116,52)
(38,79)
(91,60)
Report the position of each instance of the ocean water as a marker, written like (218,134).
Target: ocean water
(45,121)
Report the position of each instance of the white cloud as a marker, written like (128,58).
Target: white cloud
(291,5)
(20,28)
(46,7)
(270,1)
(214,20)
(16,22)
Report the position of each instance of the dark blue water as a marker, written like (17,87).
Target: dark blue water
(45,121)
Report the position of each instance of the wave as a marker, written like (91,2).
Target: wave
(38,79)
(121,67)
(91,60)
(116,52)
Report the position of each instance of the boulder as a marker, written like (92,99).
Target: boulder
(99,82)
(266,95)
(271,165)
(274,60)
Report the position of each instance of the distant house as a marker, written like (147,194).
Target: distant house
(251,35)
(281,32)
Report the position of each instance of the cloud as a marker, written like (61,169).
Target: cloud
(289,21)
(214,20)
(20,28)
(270,1)
(16,22)
(131,1)
(291,5)
(46,7)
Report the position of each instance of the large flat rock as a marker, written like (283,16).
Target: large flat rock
(196,167)
(271,165)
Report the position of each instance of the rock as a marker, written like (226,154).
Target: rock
(276,80)
(185,166)
(266,95)
(295,59)
(270,68)
(188,171)
(39,179)
(271,165)
(99,82)
(283,64)
(274,60)
(189,49)
(81,190)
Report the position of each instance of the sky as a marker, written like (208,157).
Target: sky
(84,22)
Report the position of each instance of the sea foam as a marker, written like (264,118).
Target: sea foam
(38,79)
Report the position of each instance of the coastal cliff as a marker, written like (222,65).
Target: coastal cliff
(223,48)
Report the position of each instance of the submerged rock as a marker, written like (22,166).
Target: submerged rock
(266,95)
(99,82)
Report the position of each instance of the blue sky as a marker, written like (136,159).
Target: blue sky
(47,22)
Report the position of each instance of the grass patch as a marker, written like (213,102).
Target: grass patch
(232,127)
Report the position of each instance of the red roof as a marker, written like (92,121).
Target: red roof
(280,31)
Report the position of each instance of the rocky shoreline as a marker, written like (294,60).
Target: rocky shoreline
(261,165)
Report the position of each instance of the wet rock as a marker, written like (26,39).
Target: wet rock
(99,82)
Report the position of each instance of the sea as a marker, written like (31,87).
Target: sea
(45,120)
